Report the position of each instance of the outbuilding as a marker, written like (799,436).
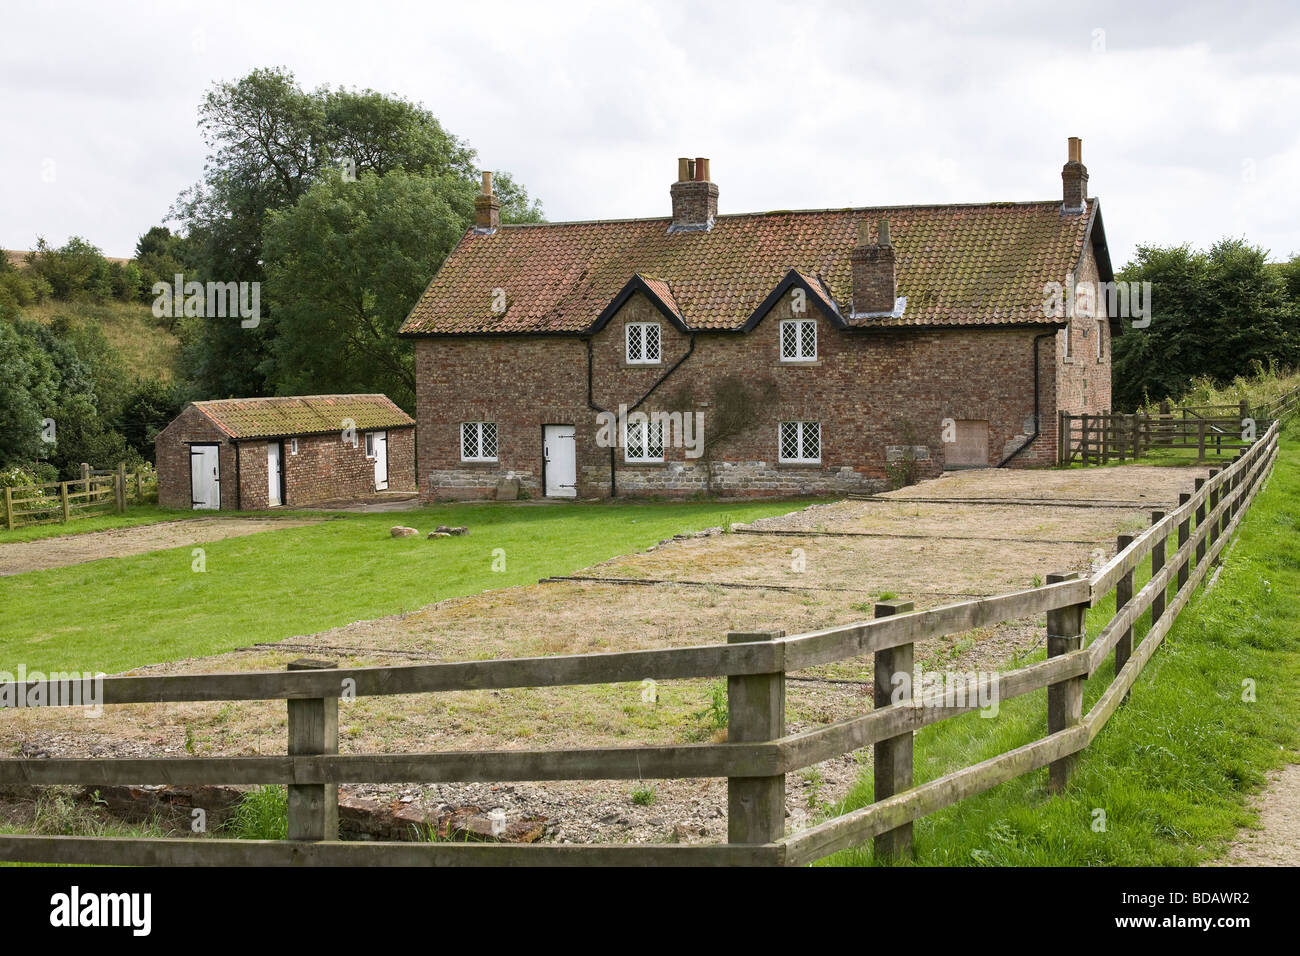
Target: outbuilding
(247,454)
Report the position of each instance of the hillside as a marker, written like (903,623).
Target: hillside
(148,348)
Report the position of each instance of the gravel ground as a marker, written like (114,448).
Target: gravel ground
(1276,842)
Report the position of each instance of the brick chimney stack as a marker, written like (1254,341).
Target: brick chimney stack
(873,271)
(1074,177)
(487,208)
(695,199)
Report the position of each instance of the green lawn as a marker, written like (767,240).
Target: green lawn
(135,515)
(1172,769)
(119,613)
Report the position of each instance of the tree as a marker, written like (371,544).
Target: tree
(270,142)
(77,269)
(344,267)
(1214,313)
(151,405)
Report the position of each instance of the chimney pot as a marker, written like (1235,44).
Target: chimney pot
(695,199)
(487,208)
(872,265)
(1074,179)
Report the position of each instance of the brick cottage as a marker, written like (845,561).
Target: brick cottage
(769,353)
(253,453)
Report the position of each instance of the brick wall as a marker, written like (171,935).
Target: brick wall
(1083,380)
(172,454)
(871,391)
(324,468)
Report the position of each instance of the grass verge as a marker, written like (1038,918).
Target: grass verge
(117,613)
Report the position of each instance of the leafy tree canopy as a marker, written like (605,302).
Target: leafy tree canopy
(1214,313)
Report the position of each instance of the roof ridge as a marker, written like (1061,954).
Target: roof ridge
(996,203)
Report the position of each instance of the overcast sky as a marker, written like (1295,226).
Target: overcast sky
(1188,112)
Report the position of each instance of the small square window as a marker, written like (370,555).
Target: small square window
(293,446)
(370,445)
(643,441)
(799,340)
(800,442)
(643,343)
(478,441)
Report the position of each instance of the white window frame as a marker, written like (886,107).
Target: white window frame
(370,446)
(480,429)
(799,340)
(293,446)
(646,448)
(640,330)
(802,428)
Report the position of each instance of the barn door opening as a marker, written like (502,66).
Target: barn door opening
(274,474)
(971,449)
(560,460)
(205,477)
(377,450)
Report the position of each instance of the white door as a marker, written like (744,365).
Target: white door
(560,455)
(205,477)
(377,448)
(273,453)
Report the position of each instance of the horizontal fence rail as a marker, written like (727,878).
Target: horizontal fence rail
(1181,545)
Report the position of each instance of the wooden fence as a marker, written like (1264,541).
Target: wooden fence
(94,493)
(1210,430)
(1180,546)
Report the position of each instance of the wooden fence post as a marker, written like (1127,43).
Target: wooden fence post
(1123,594)
(1083,438)
(1157,564)
(893,757)
(1184,532)
(1215,495)
(313,730)
(755,713)
(1065,633)
(1063,454)
(1200,520)
(119,487)
(1200,439)
(9,508)
(63,495)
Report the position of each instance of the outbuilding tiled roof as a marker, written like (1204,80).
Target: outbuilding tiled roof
(957,265)
(302,415)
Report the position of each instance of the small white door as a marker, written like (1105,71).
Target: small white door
(273,475)
(205,477)
(377,450)
(560,457)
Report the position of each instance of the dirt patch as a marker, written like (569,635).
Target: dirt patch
(954,552)
(1276,841)
(1160,486)
(20,556)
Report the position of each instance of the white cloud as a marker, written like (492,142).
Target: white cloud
(798,105)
